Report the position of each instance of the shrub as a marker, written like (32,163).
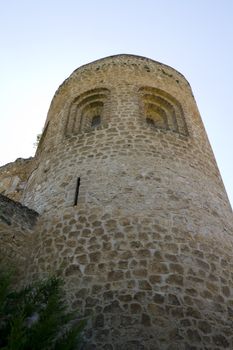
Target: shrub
(36,317)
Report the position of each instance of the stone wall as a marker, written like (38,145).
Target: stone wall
(133,211)
(16,236)
(14,176)
(123,136)
(160,281)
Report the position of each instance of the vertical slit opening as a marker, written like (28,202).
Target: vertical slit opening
(77,191)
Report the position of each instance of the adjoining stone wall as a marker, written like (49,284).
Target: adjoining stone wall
(16,236)
(14,176)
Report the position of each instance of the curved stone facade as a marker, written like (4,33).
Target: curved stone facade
(134,213)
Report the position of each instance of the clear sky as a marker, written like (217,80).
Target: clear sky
(43,41)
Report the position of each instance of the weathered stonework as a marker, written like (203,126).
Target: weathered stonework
(16,236)
(14,177)
(133,211)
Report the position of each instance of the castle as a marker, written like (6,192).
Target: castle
(124,200)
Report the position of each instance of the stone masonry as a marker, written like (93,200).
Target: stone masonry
(128,206)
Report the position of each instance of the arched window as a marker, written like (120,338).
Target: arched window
(162,111)
(87,112)
(156,116)
(150,122)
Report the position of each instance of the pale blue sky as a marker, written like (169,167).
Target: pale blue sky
(43,41)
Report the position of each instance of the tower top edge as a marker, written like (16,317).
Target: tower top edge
(118,59)
(127,56)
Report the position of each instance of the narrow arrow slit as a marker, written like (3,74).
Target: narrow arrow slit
(77,191)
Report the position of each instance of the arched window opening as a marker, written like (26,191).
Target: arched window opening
(96,121)
(87,112)
(157,116)
(160,110)
(150,121)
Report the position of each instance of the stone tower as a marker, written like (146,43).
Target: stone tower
(132,209)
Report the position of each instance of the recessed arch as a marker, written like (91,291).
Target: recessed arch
(164,104)
(84,108)
(157,115)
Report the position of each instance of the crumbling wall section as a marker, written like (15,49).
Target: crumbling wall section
(16,235)
(14,176)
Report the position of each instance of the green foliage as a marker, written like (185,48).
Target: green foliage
(36,317)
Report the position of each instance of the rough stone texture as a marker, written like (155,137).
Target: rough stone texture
(14,176)
(144,241)
(16,235)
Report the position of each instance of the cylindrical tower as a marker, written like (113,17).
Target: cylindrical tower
(134,213)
